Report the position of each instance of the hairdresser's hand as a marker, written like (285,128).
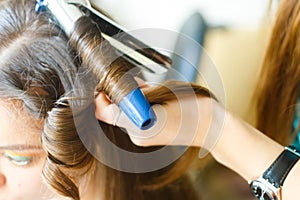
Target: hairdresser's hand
(179,122)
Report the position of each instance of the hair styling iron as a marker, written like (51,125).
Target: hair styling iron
(67,12)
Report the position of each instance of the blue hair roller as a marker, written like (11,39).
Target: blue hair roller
(138,109)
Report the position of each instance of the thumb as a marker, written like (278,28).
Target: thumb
(110,113)
(105,110)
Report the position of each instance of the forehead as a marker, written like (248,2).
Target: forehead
(17,126)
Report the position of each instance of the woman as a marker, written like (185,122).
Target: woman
(40,81)
(240,147)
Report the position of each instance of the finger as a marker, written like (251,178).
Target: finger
(110,113)
(104,110)
(102,100)
(141,82)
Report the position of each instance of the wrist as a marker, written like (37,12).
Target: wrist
(244,149)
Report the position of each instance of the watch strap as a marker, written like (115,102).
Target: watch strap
(278,171)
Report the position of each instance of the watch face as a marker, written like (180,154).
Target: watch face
(262,191)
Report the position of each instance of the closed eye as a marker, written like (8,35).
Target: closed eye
(18,159)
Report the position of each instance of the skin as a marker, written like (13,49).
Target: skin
(21,158)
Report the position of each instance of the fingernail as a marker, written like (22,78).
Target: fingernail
(138,109)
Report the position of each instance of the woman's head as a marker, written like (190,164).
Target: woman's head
(33,59)
(38,69)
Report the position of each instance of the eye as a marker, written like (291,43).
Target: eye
(19,159)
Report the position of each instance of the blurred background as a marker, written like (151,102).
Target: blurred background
(235,34)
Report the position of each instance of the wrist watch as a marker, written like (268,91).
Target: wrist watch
(268,186)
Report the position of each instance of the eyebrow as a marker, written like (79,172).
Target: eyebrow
(20,147)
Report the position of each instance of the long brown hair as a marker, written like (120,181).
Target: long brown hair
(39,68)
(278,87)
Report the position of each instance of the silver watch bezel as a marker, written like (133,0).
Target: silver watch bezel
(266,187)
